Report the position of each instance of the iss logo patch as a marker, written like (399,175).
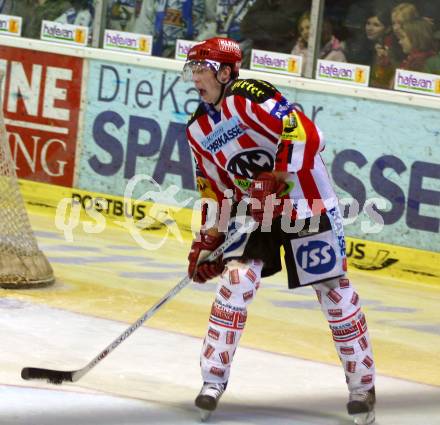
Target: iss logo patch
(316,257)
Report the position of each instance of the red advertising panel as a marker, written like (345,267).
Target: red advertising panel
(42,93)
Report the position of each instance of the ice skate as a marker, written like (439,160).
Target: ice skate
(361,406)
(208,398)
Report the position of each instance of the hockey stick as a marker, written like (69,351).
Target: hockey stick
(60,376)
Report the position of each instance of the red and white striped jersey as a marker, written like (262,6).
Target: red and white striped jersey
(257,130)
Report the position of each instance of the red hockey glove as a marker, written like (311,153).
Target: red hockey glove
(201,247)
(268,190)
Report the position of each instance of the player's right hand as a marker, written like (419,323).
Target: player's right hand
(201,247)
(267,191)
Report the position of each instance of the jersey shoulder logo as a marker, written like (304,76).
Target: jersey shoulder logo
(256,90)
(293,128)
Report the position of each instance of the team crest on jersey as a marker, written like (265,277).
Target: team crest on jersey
(250,162)
(223,134)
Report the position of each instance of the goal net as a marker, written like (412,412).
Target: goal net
(22,264)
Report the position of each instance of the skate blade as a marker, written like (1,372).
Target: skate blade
(364,418)
(204,414)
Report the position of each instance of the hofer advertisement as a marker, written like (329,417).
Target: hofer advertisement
(383,157)
(41,102)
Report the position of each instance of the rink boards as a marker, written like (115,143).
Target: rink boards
(382,259)
(106,270)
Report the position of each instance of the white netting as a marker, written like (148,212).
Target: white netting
(22,264)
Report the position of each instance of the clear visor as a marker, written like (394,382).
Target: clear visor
(197,66)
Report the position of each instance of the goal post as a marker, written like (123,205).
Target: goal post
(22,264)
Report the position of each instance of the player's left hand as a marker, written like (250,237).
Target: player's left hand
(200,271)
(267,191)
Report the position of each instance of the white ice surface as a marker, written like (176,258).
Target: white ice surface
(153,377)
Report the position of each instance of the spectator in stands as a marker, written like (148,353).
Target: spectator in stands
(270,24)
(303,31)
(226,18)
(377,29)
(417,41)
(388,54)
(400,14)
(379,39)
(122,14)
(76,12)
(81,12)
(169,20)
(331,48)
(229,14)
(403,12)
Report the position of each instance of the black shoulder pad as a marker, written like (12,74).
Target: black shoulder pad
(198,113)
(256,90)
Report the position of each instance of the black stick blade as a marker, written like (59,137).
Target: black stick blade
(52,376)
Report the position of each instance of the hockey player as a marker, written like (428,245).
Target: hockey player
(251,145)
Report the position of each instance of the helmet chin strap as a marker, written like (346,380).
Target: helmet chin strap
(220,97)
(222,91)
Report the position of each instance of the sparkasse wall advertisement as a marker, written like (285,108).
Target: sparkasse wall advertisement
(135,124)
(41,104)
(383,158)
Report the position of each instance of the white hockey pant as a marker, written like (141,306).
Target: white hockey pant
(339,302)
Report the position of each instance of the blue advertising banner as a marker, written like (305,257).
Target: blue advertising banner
(134,124)
(384,158)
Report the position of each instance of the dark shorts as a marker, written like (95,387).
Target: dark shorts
(313,252)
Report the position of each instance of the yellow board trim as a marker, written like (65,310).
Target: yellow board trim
(377,258)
